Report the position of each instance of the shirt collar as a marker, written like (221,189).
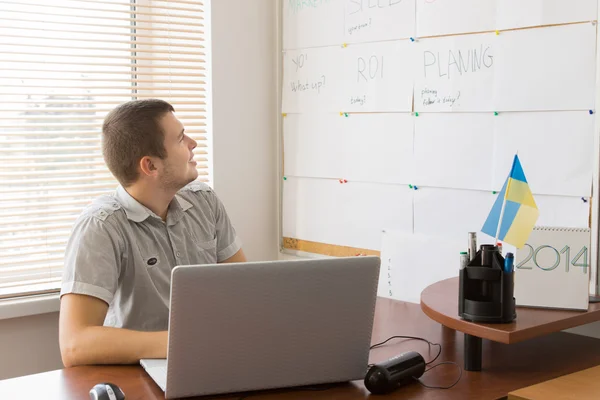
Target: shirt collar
(137,212)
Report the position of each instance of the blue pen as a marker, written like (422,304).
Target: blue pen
(509,262)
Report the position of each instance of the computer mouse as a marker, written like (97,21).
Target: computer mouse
(106,391)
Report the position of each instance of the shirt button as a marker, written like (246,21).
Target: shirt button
(178,254)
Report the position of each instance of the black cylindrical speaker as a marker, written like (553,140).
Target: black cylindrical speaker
(387,376)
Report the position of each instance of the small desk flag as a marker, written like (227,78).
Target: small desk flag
(514,213)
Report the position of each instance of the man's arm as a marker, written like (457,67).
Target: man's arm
(237,257)
(83,340)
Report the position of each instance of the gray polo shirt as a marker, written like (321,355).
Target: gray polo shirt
(123,253)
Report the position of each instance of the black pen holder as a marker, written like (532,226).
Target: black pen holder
(485,290)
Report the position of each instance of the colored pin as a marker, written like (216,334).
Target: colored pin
(343,181)
(285,178)
(412,39)
(584,199)
(344,45)
(416,114)
(284,114)
(497,33)
(591,111)
(494,192)
(495,112)
(416,188)
(410,186)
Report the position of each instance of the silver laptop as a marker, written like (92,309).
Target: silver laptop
(263,325)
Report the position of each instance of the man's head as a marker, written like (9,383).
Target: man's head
(142,140)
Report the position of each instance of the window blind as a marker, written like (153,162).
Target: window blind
(63,65)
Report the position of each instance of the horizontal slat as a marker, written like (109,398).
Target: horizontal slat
(30,290)
(4,214)
(76,22)
(127,88)
(52,172)
(45,80)
(103,32)
(151,5)
(124,11)
(61,164)
(82,102)
(52,141)
(23,282)
(113,19)
(129,96)
(36,228)
(138,72)
(27,256)
(153,50)
(104,56)
(37,236)
(30,149)
(97,134)
(34,244)
(44,267)
(48,156)
(103,65)
(15,265)
(62,188)
(85,178)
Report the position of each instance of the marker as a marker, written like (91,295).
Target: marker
(464,259)
(508,263)
(472,245)
(499,245)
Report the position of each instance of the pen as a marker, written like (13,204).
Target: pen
(508,263)
(464,259)
(472,245)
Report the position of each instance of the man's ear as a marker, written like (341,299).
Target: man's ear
(148,166)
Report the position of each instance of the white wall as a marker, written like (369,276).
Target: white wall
(245,114)
(245,161)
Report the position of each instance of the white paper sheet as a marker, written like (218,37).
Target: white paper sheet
(556,150)
(411,262)
(311,80)
(378,77)
(377,20)
(350,214)
(361,147)
(452,213)
(454,150)
(442,17)
(300,17)
(524,13)
(563,211)
(455,73)
(552,68)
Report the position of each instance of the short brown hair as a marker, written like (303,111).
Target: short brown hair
(131,131)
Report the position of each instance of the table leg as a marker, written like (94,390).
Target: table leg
(472,353)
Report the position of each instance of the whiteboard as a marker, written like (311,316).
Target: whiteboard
(422,106)
(359,148)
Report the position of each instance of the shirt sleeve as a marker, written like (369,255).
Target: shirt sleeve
(228,243)
(92,259)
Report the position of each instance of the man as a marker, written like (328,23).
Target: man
(118,261)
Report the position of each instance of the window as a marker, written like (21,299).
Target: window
(63,65)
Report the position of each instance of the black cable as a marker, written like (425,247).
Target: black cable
(414,338)
(442,387)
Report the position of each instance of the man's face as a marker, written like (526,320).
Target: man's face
(179,168)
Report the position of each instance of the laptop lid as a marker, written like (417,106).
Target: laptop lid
(261,325)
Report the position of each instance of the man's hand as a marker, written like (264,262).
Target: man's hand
(83,339)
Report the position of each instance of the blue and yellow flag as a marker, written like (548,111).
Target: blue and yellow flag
(515,210)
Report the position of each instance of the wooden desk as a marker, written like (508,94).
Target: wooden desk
(440,302)
(582,385)
(508,367)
